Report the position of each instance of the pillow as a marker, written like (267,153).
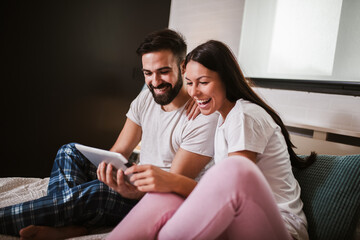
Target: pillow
(330,191)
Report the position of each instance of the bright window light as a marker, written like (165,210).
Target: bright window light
(304,37)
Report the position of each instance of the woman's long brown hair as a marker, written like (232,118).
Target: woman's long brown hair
(217,57)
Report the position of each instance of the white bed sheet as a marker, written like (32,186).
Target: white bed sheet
(19,189)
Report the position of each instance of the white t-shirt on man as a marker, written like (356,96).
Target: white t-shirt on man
(249,127)
(163,133)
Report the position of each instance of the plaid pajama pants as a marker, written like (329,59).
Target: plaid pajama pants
(75,197)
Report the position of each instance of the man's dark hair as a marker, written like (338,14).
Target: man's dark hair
(165,39)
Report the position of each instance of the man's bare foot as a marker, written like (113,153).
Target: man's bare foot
(45,232)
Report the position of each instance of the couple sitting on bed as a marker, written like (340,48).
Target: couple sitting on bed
(250,193)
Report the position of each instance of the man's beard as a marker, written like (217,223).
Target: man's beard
(170,94)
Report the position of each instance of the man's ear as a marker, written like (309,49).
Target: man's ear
(182,67)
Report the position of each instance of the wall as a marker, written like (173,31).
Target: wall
(347,56)
(316,109)
(207,19)
(69,73)
(202,20)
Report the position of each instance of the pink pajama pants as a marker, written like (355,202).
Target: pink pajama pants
(232,201)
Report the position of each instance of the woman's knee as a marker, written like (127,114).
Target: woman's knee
(235,167)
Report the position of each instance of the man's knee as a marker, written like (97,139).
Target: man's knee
(68,148)
(69,152)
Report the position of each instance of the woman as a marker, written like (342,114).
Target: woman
(251,192)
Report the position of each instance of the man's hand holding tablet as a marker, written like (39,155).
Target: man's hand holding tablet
(97,156)
(118,180)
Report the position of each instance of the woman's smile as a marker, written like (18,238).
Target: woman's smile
(203,103)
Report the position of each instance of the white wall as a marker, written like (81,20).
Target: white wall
(347,57)
(201,20)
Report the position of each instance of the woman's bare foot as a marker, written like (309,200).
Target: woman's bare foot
(45,232)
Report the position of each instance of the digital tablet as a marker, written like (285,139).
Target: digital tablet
(97,156)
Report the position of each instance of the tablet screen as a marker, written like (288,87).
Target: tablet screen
(96,156)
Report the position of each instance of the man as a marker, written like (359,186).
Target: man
(171,147)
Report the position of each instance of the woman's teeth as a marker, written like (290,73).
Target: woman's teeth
(203,102)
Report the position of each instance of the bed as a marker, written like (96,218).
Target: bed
(19,189)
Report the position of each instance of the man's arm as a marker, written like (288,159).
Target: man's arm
(128,139)
(185,167)
(148,178)
(187,164)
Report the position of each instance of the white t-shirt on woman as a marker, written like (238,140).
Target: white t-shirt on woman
(249,127)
